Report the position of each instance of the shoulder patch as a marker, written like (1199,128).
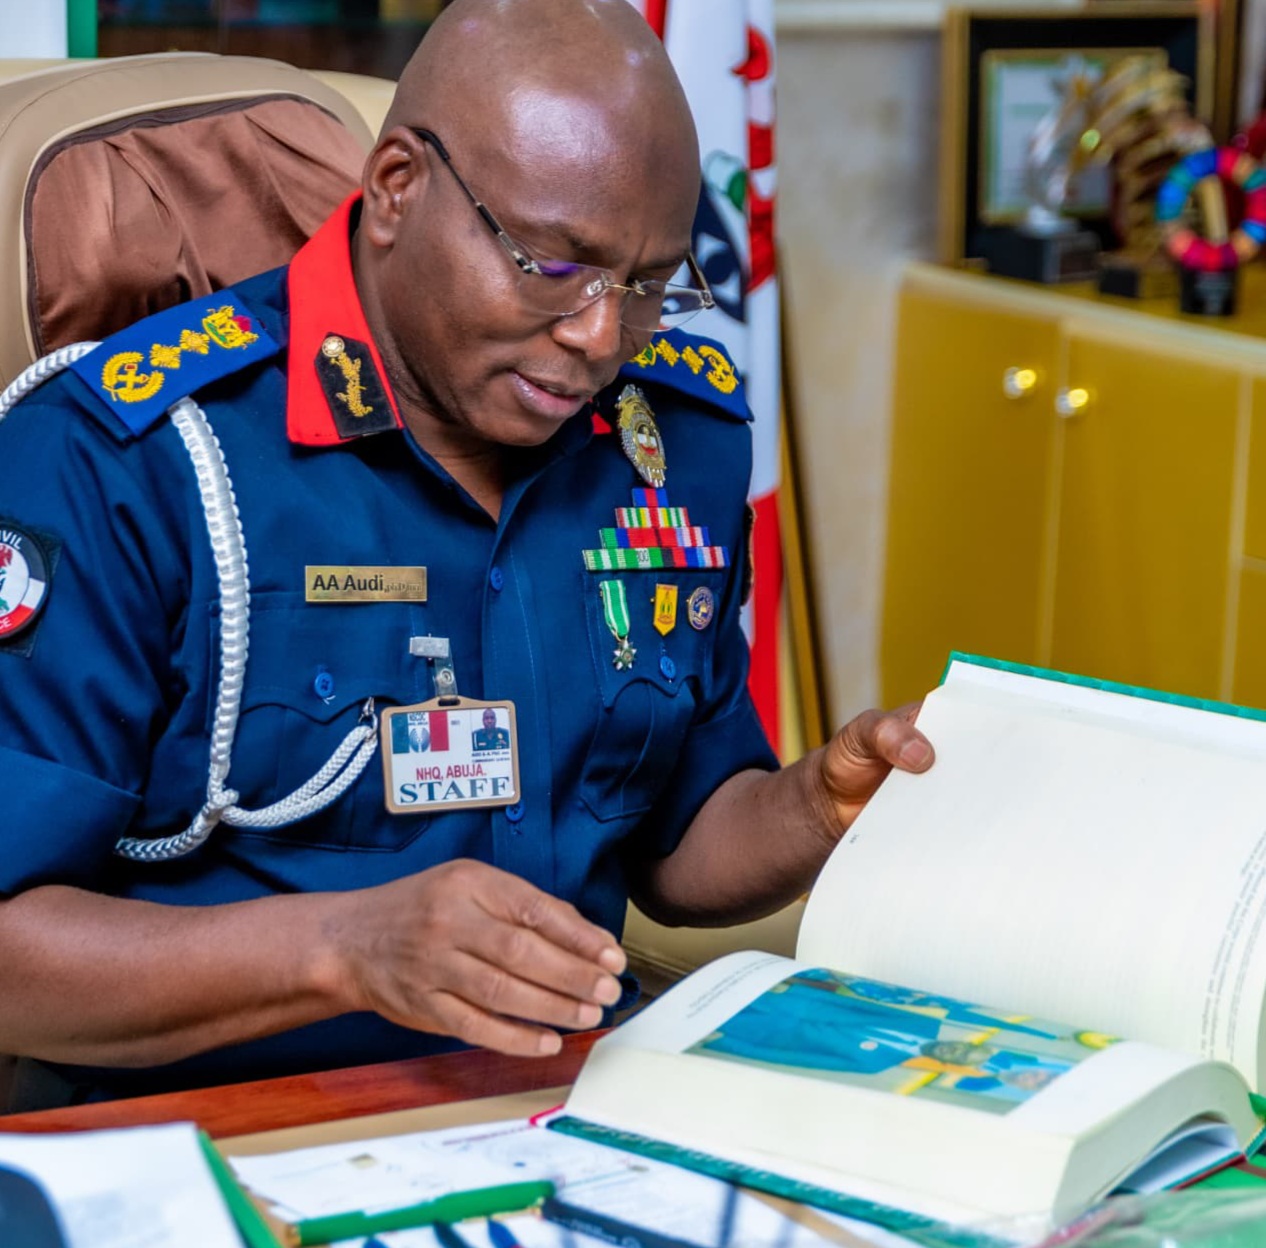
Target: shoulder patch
(27,559)
(698,367)
(138,373)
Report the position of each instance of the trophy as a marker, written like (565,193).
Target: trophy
(1191,211)
(1048,245)
(1138,122)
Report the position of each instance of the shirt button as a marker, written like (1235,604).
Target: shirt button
(323,686)
(515,813)
(496,579)
(667,666)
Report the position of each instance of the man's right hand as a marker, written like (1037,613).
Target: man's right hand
(467,950)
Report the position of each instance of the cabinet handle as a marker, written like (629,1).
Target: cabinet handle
(1017,382)
(1071,401)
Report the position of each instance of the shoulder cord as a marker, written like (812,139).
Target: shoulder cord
(228,546)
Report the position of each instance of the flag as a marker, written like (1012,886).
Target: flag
(723,51)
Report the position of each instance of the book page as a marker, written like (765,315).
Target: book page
(138,1187)
(1076,855)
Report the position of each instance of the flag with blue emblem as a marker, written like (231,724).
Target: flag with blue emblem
(723,52)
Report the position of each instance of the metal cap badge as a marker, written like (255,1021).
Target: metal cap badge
(639,435)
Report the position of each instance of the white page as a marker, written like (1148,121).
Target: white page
(142,1187)
(635,1190)
(1058,862)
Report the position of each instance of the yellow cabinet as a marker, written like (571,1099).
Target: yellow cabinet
(966,491)
(1103,523)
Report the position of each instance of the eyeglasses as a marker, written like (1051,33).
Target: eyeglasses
(558,288)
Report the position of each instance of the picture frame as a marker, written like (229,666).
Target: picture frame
(998,67)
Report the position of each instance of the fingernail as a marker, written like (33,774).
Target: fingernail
(612,959)
(549,1044)
(915,754)
(608,991)
(589,1016)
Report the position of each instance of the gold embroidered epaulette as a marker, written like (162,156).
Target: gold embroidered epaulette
(692,365)
(138,373)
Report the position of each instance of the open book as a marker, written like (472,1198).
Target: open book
(1084,853)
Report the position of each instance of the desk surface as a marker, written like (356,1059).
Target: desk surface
(245,1108)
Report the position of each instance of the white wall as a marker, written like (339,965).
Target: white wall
(858,114)
(32,28)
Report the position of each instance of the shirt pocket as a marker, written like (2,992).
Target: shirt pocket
(644,711)
(309,673)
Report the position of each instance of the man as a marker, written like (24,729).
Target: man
(413,393)
(490,737)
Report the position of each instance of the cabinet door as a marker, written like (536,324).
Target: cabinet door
(1249,688)
(967,495)
(1144,543)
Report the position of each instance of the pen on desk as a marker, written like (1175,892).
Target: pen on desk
(450,1236)
(455,1207)
(501,1235)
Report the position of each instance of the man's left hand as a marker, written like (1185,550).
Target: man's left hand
(859,756)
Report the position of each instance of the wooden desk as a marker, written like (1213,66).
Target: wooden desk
(298,1100)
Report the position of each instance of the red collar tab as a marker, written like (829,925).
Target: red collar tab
(338,387)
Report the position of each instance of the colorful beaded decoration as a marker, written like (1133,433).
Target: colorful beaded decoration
(1228,164)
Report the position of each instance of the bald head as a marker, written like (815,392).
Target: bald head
(565,123)
(560,81)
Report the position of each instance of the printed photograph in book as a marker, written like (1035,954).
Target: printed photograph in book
(847,1029)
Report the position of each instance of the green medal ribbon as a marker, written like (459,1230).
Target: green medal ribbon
(615,610)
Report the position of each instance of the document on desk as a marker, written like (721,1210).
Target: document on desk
(140,1187)
(619,1197)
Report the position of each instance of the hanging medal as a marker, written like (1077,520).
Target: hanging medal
(639,435)
(615,610)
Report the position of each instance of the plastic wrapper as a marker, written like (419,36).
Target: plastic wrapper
(1192,1218)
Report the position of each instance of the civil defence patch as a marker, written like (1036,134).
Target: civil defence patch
(24,580)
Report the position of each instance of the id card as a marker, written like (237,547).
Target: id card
(448,753)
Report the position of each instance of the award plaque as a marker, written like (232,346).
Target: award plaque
(1138,123)
(1048,245)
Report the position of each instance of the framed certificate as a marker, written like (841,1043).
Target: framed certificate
(1004,70)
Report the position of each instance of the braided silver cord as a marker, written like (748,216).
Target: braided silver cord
(228,547)
(36,374)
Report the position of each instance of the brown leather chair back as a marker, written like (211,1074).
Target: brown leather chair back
(130,185)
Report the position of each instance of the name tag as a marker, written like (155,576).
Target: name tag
(370,583)
(447,753)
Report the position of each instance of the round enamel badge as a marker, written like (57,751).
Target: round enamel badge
(700,607)
(23,580)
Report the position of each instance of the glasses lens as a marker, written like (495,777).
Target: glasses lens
(561,288)
(680,304)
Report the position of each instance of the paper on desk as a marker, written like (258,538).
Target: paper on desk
(534,1232)
(639,1192)
(140,1187)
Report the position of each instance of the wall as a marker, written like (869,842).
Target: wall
(857,132)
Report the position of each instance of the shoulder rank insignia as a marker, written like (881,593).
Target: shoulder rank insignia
(353,390)
(139,373)
(695,366)
(639,435)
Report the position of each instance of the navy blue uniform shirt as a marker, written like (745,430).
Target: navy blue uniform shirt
(106,701)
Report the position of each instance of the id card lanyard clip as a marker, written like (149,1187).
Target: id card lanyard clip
(450,751)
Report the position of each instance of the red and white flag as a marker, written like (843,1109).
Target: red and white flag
(723,51)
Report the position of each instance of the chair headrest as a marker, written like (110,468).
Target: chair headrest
(132,184)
